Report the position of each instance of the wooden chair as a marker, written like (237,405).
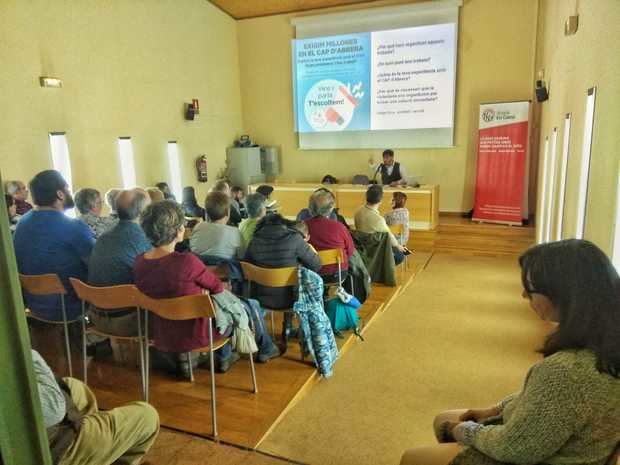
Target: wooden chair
(107,299)
(270,277)
(49,284)
(399,230)
(188,308)
(334,257)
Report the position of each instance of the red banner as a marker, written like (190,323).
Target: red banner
(501,181)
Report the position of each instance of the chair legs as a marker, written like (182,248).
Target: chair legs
(212,369)
(84,360)
(191,369)
(142,357)
(145,347)
(253,371)
(66,328)
(273,324)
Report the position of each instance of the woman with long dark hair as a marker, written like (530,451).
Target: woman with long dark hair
(568,411)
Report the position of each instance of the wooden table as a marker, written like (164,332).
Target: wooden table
(422,202)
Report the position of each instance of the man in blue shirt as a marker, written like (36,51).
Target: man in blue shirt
(111,262)
(47,241)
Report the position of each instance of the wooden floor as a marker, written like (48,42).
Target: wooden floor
(174,448)
(244,418)
(461,236)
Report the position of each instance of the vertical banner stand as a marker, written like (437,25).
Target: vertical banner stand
(502,180)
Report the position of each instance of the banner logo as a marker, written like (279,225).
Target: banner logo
(488,115)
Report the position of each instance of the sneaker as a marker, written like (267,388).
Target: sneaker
(224,365)
(272,353)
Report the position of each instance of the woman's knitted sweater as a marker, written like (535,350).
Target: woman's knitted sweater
(568,413)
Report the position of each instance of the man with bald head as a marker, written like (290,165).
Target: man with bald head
(111,262)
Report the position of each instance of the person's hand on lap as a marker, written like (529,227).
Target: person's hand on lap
(449,429)
(480,414)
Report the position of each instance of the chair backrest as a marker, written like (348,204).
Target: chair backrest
(397,229)
(360,179)
(42,284)
(270,277)
(187,307)
(108,297)
(331,256)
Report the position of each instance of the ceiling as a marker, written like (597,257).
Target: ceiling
(243,9)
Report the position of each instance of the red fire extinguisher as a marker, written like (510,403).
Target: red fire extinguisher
(201,168)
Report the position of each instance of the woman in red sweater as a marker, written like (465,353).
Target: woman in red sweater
(164,273)
(326,233)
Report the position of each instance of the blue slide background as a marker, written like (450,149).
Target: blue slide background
(348,68)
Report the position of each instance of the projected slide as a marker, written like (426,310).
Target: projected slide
(397,79)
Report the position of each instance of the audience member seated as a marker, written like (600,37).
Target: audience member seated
(190,205)
(79,433)
(216,243)
(326,233)
(11,210)
(110,200)
(48,241)
(399,215)
(19,192)
(302,227)
(369,220)
(569,408)
(168,195)
(277,244)
(256,211)
(164,273)
(304,214)
(112,260)
(155,194)
(266,191)
(237,199)
(234,218)
(88,203)
(215,239)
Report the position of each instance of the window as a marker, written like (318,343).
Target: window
(175,170)
(562,179)
(60,156)
(542,212)
(61,161)
(551,162)
(584,172)
(125,155)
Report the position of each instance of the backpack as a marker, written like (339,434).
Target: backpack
(342,313)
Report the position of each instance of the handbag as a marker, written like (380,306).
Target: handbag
(342,313)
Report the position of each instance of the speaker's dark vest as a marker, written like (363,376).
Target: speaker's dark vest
(395,176)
